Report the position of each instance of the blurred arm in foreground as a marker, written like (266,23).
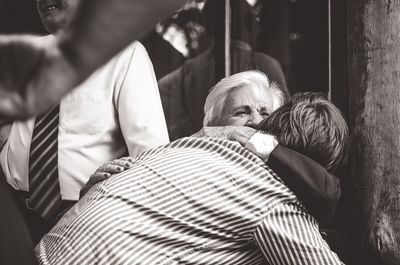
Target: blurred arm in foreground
(34,73)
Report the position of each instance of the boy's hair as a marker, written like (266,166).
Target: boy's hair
(310,124)
(252,79)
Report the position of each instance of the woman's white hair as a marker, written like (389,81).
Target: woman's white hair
(252,79)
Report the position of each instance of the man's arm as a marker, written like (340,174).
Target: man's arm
(36,75)
(289,236)
(138,103)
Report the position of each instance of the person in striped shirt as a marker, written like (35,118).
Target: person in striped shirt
(205,201)
(233,110)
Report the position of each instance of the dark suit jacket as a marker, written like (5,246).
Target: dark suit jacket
(15,243)
(313,185)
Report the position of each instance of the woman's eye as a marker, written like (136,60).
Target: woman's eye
(264,114)
(241,112)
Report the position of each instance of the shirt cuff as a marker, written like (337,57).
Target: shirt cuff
(262,145)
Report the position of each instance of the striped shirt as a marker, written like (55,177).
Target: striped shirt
(193,201)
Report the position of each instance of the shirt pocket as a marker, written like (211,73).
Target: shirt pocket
(83,113)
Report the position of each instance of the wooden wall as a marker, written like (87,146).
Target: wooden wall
(374,116)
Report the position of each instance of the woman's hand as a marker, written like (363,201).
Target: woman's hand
(106,170)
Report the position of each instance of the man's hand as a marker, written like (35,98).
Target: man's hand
(241,134)
(106,170)
(33,75)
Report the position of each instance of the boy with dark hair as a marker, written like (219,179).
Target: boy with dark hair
(311,125)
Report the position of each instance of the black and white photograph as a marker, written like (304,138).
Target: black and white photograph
(199,132)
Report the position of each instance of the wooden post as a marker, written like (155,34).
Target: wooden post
(374,117)
(222,39)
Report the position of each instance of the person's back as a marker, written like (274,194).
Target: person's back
(193,201)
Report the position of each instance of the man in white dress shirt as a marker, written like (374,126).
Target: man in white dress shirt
(116,112)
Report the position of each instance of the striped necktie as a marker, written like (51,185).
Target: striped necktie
(44,187)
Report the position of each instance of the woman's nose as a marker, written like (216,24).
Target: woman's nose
(254,119)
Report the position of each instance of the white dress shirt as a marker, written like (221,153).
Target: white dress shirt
(262,145)
(116,112)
